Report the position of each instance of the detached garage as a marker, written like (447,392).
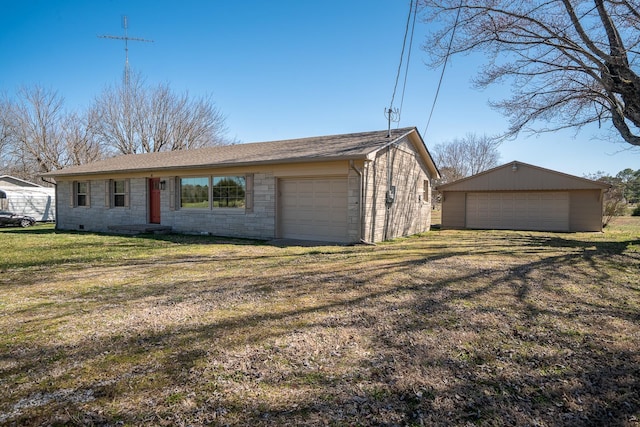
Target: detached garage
(519,196)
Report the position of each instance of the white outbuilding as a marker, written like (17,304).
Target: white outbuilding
(26,198)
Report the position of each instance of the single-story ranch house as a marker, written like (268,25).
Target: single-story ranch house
(519,196)
(369,187)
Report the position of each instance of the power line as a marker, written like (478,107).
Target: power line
(404,43)
(406,70)
(446,59)
(444,66)
(393,114)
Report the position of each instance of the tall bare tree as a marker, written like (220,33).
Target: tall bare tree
(79,136)
(466,156)
(37,135)
(571,62)
(5,133)
(114,112)
(34,121)
(136,118)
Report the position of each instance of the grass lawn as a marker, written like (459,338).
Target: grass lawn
(447,328)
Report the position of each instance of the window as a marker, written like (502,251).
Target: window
(119,193)
(82,193)
(229,192)
(224,192)
(116,193)
(194,192)
(426,191)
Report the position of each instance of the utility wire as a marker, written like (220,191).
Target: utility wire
(404,43)
(444,66)
(406,70)
(446,59)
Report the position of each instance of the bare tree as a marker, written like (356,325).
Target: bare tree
(5,133)
(113,110)
(81,143)
(37,135)
(35,138)
(466,156)
(135,118)
(571,62)
(614,203)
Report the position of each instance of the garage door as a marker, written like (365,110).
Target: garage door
(545,211)
(313,209)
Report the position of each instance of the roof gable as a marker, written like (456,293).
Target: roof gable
(323,148)
(12,181)
(515,176)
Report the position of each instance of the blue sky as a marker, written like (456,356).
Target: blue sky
(277,69)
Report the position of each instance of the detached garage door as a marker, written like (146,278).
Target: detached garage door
(544,211)
(313,209)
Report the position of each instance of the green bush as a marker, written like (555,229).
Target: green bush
(636,211)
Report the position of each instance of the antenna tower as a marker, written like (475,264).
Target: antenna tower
(126,38)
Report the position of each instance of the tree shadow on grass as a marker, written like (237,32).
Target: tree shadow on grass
(433,354)
(550,356)
(176,238)
(593,247)
(35,230)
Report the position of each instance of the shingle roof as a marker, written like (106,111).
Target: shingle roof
(520,176)
(322,148)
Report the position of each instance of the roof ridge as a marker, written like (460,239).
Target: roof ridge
(356,145)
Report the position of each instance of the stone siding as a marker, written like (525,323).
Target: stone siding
(372,220)
(258,222)
(99,215)
(410,212)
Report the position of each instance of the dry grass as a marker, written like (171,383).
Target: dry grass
(448,328)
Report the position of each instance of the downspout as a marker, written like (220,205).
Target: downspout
(361,199)
(55,186)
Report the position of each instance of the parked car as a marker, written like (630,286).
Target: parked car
(10,218)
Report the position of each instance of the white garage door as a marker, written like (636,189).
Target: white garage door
(313,209)
(545,211)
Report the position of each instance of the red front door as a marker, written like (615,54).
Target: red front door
(154,200)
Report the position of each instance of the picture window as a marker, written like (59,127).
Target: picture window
(229,192)
(194,193)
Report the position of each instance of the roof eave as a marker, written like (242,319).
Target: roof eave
(53,174)
(444,187)
(424,151)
